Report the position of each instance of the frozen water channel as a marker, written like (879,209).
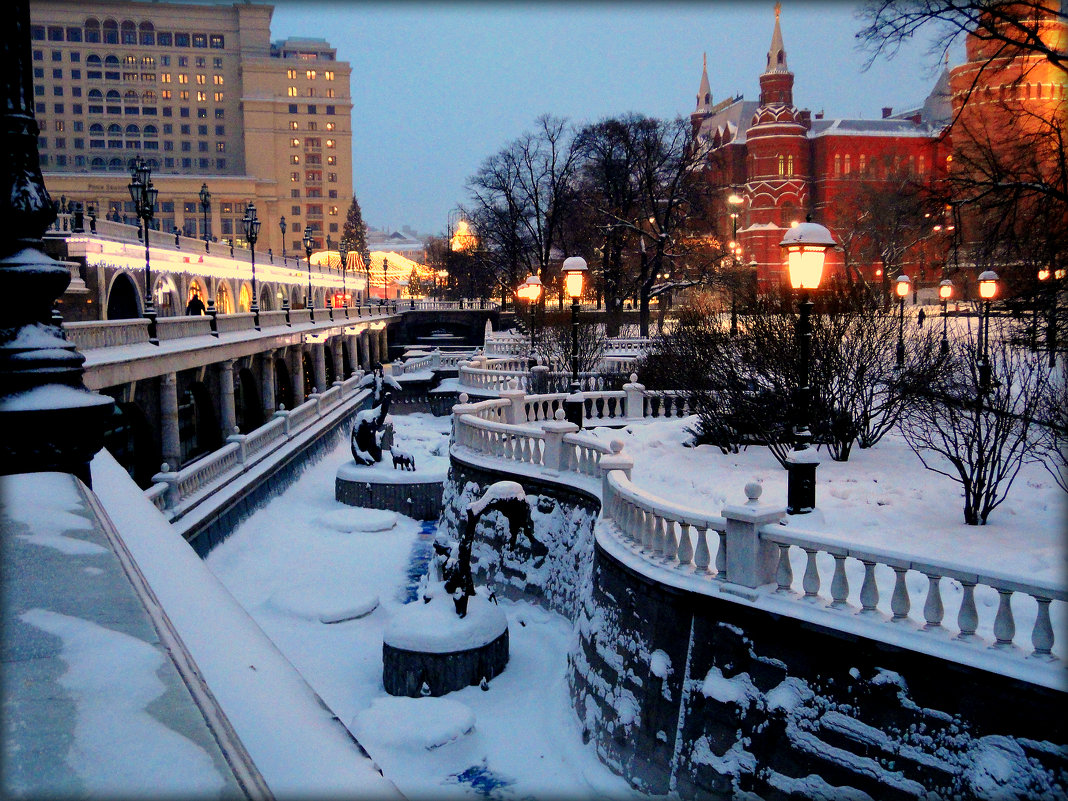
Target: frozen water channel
(305,558)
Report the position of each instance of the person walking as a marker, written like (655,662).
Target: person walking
(196,305)
(920,318)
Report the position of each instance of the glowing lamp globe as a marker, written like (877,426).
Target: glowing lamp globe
(533,285)
(902,286)
(805,246)
(988,284)
(574,273)
(1043,274)
(945,289)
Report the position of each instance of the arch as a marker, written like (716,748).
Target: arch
(267,298)
(129,437)
(133,130)
(113,96)
(114,129)
(248,402)
(93,60)
(198,427)
(149,97)
(111,60)
(147,34)
(151,131)
(196,286)
(224,298)
(96,128)
(130,96)
(244,298)
(124,298)
(167,298)
(98,163)
(128,32)
(116,164)
(309,372)
(111,31)
(283,390)
(295,297)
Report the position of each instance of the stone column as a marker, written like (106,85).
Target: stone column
(365,350)
(318,350)
(372,342)
(354,354)
(267,387)
(337,355)
(170,440)
(751,560)
(227,410)
(383,345)
(296,373)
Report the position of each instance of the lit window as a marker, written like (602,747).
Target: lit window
(217,80)
(183,78)
(328,75)
(218,97)
(310,75)
(292,91)
(329,92)
(782,165)
(294,142)
(183,95)
(330,143)
(291,74)
(294,177)
(165,77)
(331,125)
(202,96)
(294,159)
(202,80)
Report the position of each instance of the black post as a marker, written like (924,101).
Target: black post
(43,431)
(944,347)
(574,409)
(801,470)
(252,233)
(205,205)
(984,358)
(308,252)
(282,227)
(901,332)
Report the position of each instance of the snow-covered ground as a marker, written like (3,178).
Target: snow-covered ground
(305,558)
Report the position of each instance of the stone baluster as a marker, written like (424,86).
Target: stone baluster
(721,555)
(784,573)
(899,601)
(750,559)
(1004,625)
(1042,633)
(839,582)
(869,590)
(701,556)
(685,551)
(933,610)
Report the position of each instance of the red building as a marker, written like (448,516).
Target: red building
(786,164)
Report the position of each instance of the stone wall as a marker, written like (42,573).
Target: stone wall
(705,698)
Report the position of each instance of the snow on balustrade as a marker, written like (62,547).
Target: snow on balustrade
(192,479)
(245,321)
(270,432)
(583,453)
(107,333)
(178,327)
(305,412)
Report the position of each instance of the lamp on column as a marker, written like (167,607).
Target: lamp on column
(533,287)
(385,280)
(805,246)
(308,251)
(901,289)
(945,292)
(735,201)
(574,270)
(144,194)
(282,228)
(205,207)
(988,289)
(252,233)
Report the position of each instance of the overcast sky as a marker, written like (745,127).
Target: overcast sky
(438,87)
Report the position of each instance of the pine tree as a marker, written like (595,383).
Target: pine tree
(355,230)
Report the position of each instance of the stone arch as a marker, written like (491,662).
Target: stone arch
(248,401)
(167,298)
(200,287)
(124,298)
(224,298)
(198,426)
(129,437)
(244,297)
(283,389)
(267,297)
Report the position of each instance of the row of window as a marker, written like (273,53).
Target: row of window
(843,164)
(328,75)
(312,143)
(111,32)
(115,164)
(201,96)
(310,92)
(312,125)
(93,61)
(116,140)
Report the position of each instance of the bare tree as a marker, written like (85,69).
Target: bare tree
(1052,422)
(979,439)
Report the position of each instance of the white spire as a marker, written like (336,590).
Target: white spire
(704,92)
(777,51)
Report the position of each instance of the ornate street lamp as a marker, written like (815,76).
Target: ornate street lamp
(901,289)
(532,292)
(205,207)
(805,246)
(574,270)
(282,228)
(308,251)
(343,252)
(144,194)
(945,292)
(988,288)
(385,280)
(367,272)
(735,201)
(252,233)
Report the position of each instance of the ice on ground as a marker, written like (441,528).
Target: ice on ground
(351,519)
(413,723)
(327,603)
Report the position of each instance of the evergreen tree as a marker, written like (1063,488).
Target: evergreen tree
(355,230)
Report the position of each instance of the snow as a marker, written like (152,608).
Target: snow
(435,628)
(500,491)
(413,723)
(45,510)
(358,520)
(324,603)
(142,751)
(53,396)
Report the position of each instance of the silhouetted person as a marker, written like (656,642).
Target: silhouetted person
(920,318)
(196,305)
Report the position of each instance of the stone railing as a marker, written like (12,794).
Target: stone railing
(106,333)
(430,304)
(982,618)
(175,492)
(506,343)
(431,361)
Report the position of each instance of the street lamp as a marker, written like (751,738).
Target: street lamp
(901,289)
(1044,276)
(367,271)
(308,251)
(385,280)
(532,292)
(343,252)
(282,228)
(252,233)
(988,288)
(805,246)
(144,194)
(945,292)
(205,207)
(574,270)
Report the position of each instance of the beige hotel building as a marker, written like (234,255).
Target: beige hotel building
(203,94)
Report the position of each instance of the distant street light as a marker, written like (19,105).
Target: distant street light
(805,245)
(343,252)
(385,280)
(205,207)
(901,288)
(736,249)
(988,288)
(945,292)
(574,270)
(282,228)
(530,290)
(308,251)
(144,194)
(252,233)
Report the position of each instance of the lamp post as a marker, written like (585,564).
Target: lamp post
(735,201)
(385,280)
(533,286)
(205,207)
(308,251)
(343,252)
(988,288)
(282,228)
(144,194)
(945,292)
(901,289)
(1047,278)
(806,246)
(574,270)
(367,271)
(252,233)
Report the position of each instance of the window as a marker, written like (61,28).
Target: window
(79,125)
(292,108)
(313,192)
(111,32)
(59,127)
(147,34)
(57,55)
(202,97)
(331,160)
(862,162)
(164,39)
(38,55)
(330,143)
(220,147)
(218,97)
(38,72)
(202,113)
(185,130)
(330,110)
(58,109)
(291,74)
(220,130)
(220,164)
(37,32)
(129,33)
(217,80)
(790,165)
(202,130)
(183,61)
(56,73)
(220,113)
(311,109)
(294,211)
(168,145)
(310,75)
(55,33)
(202,79)
(292,91)
(183,78)
(76,75)
(216,62)
(187,147)
(922,165)
(311,125)
(328,75)
(184,95)
(60,143)
(294,142)
(164,77)
(332,194)
(166,95)
(329,92)
(202,147)
(294,193)
(837,165)
(331,177)
(167,110)
(293,125)
(315,210)
(782,165)
(200,40)
(294,177)
(331,126)
(92,30)
(74,35)
(217,42)
(294,159)
(181,40)
(313,158)
(847,167)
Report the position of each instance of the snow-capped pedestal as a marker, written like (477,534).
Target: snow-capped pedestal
(427,649)
(414,493)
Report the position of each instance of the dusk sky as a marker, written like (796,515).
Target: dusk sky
(438,87)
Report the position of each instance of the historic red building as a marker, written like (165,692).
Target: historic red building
(786,163)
